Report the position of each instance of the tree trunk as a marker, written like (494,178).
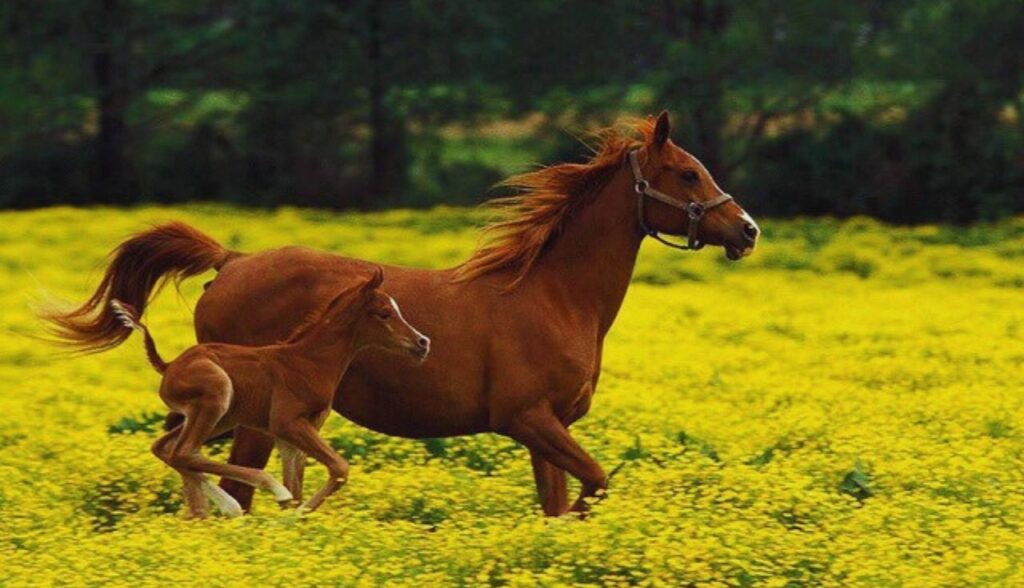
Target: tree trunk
(700,23)
(113,179)
(709,121)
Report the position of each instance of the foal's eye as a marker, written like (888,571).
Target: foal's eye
(384,315)
(690,176)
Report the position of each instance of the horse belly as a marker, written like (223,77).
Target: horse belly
(392,396)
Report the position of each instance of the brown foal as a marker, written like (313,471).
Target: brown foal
(285,390)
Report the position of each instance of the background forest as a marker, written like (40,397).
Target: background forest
(907,110)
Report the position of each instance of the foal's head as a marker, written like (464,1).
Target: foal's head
(373,319)
(675,172)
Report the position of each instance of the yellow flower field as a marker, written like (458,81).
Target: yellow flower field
(845,408)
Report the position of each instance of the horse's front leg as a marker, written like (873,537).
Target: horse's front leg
(552,490)
(541,432)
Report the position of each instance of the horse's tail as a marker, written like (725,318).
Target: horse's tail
(128,317)
(139,265)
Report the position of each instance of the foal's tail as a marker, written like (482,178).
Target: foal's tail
(126,314)
(139,265)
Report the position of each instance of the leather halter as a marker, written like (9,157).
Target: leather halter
(695,210)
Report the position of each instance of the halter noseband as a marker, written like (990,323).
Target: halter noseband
(695,210)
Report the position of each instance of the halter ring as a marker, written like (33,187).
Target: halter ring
(696,210)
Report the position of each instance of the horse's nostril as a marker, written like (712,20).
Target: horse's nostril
(750,231)
(423,342)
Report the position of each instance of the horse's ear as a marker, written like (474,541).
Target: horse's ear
(662,129)
(375,280)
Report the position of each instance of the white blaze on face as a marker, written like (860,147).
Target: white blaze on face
(743,213)
(398,313)
(418,335)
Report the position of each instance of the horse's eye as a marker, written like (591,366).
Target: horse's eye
(385,315)
(690,176)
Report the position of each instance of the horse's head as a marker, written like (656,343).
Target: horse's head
(679,197)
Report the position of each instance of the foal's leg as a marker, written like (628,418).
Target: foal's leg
(551,487)
(198,489)
(201,420)
(541,432)
(293,462)
(304,435)
(250,448)
(192,484)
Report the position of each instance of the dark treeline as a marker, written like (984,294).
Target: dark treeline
(909,110)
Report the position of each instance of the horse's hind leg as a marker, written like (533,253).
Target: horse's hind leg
(250,448)
(304,435)
(542,433)
(551,488)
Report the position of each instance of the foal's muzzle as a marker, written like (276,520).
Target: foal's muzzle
(421,348)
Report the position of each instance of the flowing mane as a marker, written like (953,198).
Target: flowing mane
(529,222)
(312,319)
(316,317)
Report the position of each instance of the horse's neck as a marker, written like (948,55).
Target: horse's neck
(592,261)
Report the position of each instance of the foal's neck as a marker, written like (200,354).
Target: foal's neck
(592,261)
(330,348)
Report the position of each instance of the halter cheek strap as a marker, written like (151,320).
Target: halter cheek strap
(694,210)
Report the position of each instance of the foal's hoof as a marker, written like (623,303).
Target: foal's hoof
(282,495)
(231,509)
(224,502)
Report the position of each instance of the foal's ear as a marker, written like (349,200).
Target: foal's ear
(662,129)
(375,280)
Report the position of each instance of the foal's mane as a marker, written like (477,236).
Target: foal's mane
(305,326)
(314,318)
(530,221)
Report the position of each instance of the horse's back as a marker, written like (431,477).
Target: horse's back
(257,299)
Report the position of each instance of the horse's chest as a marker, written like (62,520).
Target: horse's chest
(580,404)
(577,390)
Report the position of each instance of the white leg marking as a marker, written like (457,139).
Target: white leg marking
(222,500)
(281,494)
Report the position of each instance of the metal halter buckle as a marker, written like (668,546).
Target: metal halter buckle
(696,210)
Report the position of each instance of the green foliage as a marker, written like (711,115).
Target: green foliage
(907,110)
(146,422)
(857,483)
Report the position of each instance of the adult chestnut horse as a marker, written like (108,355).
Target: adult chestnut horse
(518,329)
